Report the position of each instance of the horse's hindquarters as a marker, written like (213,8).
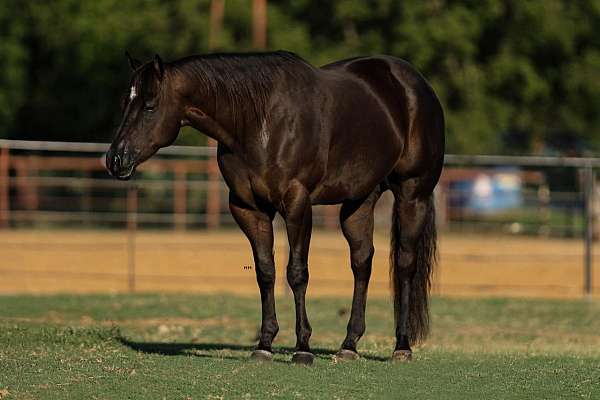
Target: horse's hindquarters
(385,119)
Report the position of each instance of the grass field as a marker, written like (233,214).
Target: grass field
(152,346)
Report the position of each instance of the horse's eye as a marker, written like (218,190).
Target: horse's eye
(149,108)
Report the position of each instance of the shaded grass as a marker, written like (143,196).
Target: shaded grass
(186,346)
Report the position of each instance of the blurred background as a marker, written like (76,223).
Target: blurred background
(517,204)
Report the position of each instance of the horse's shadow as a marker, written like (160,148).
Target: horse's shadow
(196,349)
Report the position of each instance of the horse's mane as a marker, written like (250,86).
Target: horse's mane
(244,80)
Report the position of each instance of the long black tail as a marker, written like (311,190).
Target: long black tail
(425,259)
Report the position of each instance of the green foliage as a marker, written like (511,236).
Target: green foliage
(514,76)
(13,56)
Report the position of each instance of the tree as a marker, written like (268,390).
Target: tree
(13,56)
(513,76)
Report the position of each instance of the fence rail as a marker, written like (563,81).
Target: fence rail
(26,169)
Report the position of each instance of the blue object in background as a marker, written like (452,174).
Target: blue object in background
(488,193)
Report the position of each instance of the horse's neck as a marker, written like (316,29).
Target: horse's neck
(223,113)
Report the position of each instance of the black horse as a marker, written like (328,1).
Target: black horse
(291,135)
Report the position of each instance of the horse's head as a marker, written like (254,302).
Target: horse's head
(151,118)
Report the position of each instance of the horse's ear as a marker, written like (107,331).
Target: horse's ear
(159,66)
(133,62)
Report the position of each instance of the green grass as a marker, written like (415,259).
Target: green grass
(185,346)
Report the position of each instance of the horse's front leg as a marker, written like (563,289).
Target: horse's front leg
(258,227)
(297,212)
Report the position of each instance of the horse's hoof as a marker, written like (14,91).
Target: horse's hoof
(346,355)
(303,357)
(402,355)
(261,355)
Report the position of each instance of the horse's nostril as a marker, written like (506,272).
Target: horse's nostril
(117,162)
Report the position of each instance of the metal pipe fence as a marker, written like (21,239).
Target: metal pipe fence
(64,185)
(585,167)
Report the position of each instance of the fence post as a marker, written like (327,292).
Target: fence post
(180,201)
(217,11)
(259,24)
(331,217)
(589,229)
(213,201)
(440,201)
(132,208)
(4,187)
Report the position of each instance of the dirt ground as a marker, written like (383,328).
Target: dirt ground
(91,261)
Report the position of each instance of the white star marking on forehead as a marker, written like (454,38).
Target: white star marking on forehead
(133,93)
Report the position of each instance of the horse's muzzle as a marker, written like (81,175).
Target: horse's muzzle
(119,165)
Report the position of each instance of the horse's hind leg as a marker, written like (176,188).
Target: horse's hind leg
(297,212)
(412,259)
(258,227)
(356,218)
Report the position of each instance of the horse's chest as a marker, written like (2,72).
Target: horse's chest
(245,182)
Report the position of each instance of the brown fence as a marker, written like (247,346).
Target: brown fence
(66,225)
(34,181)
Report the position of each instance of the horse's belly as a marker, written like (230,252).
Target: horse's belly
(364,150)
(340,190)
(354,172)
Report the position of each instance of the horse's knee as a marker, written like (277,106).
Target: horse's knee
(297,276)
(265,279)
(265,272)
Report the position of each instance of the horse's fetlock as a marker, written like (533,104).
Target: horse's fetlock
(305,334)
(357,329)
(271,327)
